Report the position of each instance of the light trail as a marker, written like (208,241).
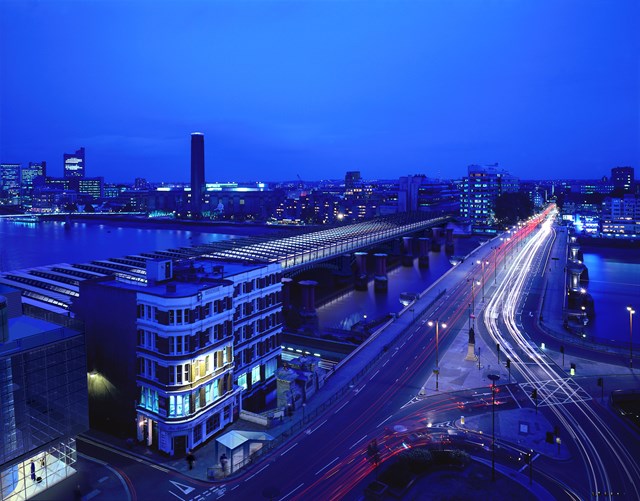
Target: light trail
(508,295)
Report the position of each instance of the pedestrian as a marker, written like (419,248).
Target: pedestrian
(77,493)
(223,463)
(33,471)
(190,459)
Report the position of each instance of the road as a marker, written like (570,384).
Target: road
(609,468)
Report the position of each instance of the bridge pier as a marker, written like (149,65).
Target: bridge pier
(286,293)
(407,251)
(423,252)
(380,280)
(448,245)
(308,300)
(435,241)
(361,280)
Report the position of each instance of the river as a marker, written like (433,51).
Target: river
(614,283)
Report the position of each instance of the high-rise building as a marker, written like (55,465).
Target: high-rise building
(479,190)
(351,180)
(197,172)
(623,178)
(74,164)
(10,182)
(29,175)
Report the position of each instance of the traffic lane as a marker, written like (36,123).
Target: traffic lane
(145,480)
(373,400)
(393,393)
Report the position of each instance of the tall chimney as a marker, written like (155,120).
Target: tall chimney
(197,172)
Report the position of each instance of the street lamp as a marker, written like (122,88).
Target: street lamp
(444,326)
(483,262)
(631,313)
(473,300)
(494,378)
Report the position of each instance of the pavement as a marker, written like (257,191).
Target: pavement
(520,426)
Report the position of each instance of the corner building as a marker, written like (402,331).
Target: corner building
(181,353)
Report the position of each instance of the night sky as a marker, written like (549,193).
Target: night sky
(546,88)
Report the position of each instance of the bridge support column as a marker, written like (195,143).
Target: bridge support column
(448,245)
(407,251)
(361,281)
(286,293)
(435,241)
(308,294)
(423,252)
(380,279)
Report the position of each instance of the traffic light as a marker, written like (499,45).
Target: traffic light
(573,369)
(534,394)
(549,438)
(600,382)
(562,349)
(508,363)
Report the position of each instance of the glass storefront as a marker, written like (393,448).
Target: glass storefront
(23,480)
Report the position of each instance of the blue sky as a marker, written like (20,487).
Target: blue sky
(546,88)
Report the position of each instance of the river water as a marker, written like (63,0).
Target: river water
(614,283)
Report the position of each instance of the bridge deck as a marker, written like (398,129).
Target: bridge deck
(52,284)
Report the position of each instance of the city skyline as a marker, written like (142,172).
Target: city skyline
(283,89)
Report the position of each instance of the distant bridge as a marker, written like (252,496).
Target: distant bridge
(54,287)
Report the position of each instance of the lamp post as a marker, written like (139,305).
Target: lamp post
(631,313)
(437,323)
(483,262)
(493,378)
(473,301)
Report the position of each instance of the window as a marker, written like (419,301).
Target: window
(197,433)
(179,316)
(270,368)
(255,374)
(213,423)
(242,381)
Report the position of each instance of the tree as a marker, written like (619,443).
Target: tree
(512,207)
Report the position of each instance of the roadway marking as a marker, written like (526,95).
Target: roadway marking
(185,489)
(234,487)
(340,408)
(327,465)
(181,499)
(385,363)
(289,449)
(374,374)
(394,353)
(526,464)
(92,494)
(310,432)
(412,334)
(360,389)
(294,490)
(103,479)
(383,422)
(513,396)
(357,442)
(263,468)
(403,344)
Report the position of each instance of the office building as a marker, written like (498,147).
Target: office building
(74,164)
(479,191)
(191,346)
(197,172)
(10,183)
(30,176)
(623,178)
(43,395)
